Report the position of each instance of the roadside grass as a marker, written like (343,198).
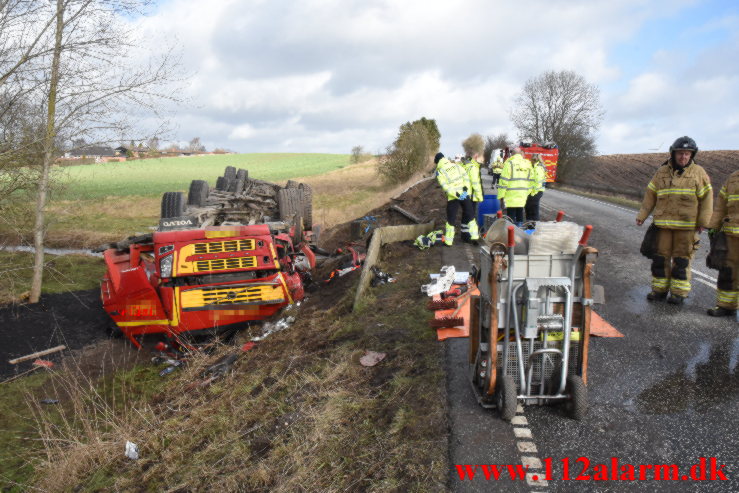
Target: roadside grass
(152,177)
(296,413)
(62,273)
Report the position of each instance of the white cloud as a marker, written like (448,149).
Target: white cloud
(318,75)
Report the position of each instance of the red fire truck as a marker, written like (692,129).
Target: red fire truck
(209,267)
(549,153)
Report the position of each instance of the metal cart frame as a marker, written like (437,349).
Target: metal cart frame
(522,343)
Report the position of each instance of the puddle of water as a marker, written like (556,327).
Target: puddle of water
(50,251)
(708,379)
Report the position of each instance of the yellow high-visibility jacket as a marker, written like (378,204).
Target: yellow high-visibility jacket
(679,200)
(473,171)
(453,178)
(516,181)
(497,166)
(726,211)
(540,177)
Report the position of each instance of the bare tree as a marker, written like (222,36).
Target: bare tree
(195,145)
(75,63)
(560,107)
(492,142)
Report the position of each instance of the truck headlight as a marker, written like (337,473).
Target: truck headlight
(165,266)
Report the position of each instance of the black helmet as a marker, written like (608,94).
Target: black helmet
(684,143)
(438,157)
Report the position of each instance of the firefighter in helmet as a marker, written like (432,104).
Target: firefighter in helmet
(455,182)
(726,218)
(680,196)
(516,184)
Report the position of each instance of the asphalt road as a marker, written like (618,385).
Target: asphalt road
(666,393)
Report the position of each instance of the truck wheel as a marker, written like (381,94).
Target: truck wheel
(297,236)
(173,204)
(221,183)
(236,186)
(292,184)
(307,205)
(230,173)
(198,193)
(290,202)
(242,174)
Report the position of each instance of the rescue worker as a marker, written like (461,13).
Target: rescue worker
(680,196)
(540,176)
(472,166)
(455,182)
(726,218)
(516,183)
(496,167)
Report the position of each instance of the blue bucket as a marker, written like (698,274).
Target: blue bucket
(489,205)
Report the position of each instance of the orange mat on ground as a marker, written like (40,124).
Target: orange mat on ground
(464,312)
(601,328)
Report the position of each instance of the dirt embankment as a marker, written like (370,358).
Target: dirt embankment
(629,174)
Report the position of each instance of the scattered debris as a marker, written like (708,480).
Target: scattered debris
(380,277)
(371,358)
(428,240)
(132,450)
(173,365)
(222,366)
(442,283)
(49,401)
(270,328)
(37,354)
(407,214)
(248,346)
(43,363)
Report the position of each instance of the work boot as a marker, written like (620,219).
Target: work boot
(718,311)
(676,299)
(657,296)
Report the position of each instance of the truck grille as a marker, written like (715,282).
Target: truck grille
(225,264)
(224,246)
(194,299)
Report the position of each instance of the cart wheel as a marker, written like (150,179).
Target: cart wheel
(577,405)
(505,398)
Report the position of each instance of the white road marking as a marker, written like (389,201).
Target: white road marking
(531,462)
(526,447)
(519,420)
(539,481)
(522,432)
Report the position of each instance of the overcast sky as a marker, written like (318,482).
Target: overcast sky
(324,76)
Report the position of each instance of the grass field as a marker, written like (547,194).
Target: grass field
(152,177)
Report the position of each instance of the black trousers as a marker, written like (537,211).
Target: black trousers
(516,214)
(468,210)
(496,178)
(532,206)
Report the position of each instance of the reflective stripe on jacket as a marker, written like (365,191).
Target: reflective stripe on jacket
(679,200)
(516,181)
(726,211)
(473,172)
(453,178)
(497,166)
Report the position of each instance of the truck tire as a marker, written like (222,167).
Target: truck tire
(221,183)
(230,173)
(290,202)
(173,204)
(292,184)
(242,174)
(307,205)
(236,186)
(198,193)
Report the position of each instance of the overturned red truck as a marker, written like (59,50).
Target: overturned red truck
(218,259)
